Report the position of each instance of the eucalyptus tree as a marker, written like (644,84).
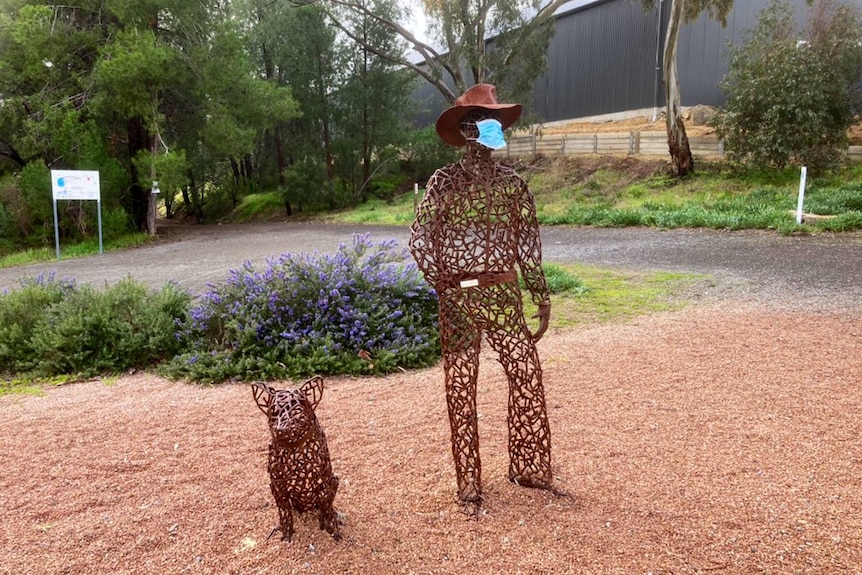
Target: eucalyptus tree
(296,49)
(681,11)
(461,53)
(373,100)
(352,101)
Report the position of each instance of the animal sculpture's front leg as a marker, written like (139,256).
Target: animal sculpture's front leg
(285,512)
(281,494)
(328,516)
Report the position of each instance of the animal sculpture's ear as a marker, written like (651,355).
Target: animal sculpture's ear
(313,390)
(262,395)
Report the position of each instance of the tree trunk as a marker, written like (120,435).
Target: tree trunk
(328,156)
(280,159)
(366,128)
(193,199)
(139,139)
(682,161)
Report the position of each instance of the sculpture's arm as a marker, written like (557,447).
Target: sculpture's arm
(530,259)
(423,233)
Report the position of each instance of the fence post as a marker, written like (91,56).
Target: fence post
(596,143)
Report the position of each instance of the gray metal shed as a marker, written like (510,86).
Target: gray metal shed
(605,58)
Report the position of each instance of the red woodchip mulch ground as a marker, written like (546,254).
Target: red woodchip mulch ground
(718,439)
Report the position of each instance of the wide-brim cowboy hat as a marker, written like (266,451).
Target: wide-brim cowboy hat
(479,97)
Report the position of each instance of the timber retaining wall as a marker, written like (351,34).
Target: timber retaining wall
(622,143)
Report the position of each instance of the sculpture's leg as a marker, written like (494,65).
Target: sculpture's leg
(529,431)
(328,517)
(285,515)
(460,342)
(276,467)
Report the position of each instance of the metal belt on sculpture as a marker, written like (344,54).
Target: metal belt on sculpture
(475,228)
(299,467)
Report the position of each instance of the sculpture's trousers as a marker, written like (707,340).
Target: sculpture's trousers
(496,311)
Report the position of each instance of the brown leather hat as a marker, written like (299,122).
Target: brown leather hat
(479,97)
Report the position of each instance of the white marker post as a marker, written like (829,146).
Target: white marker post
(801,201)
(75,185)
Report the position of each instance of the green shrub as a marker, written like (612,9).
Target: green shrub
(53,327)
(21,310)
(305,314)
(7,223)
(123,326)
(425,152)
(791,100)
(115,223)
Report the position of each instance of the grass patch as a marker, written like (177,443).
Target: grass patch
(255,207)
(608,295)
(611,191)
(85,248)
(29,385)
(398,212)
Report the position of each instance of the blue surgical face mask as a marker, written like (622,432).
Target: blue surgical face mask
(491,134)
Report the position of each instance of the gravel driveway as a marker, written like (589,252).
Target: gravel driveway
(721,438)
(823,268)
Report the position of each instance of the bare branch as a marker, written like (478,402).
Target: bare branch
(548,11)
(425,74)
(433,59)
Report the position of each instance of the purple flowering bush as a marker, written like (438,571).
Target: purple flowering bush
(361,310)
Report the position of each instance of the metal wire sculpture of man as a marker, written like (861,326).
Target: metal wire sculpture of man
(474,227)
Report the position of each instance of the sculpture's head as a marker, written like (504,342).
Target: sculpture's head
(461,122)
(290,411)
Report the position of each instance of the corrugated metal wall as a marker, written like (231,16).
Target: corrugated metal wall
(602,60)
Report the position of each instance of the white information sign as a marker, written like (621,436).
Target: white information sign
(75,185)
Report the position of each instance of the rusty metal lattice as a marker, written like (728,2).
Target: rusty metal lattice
(299,467)
(475,227)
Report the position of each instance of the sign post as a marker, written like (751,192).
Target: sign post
(801,199)
(75,185)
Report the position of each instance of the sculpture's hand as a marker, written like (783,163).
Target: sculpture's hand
(544,316)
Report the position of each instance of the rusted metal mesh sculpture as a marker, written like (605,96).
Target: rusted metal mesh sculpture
(475,227)
(299,467)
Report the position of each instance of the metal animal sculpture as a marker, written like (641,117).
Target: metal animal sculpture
(475,228)
(299,467)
